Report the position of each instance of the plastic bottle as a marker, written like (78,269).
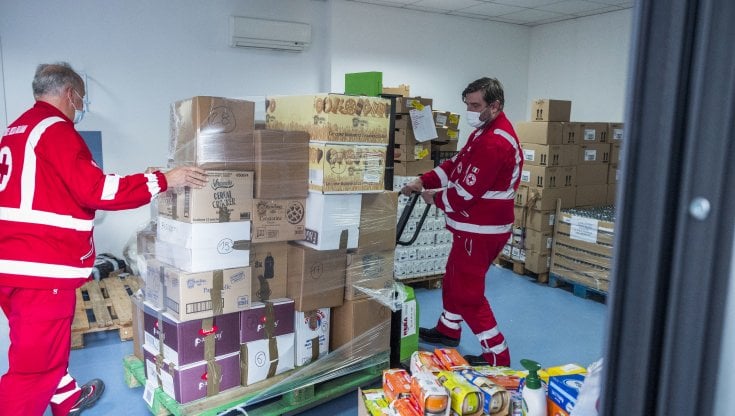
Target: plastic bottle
(534,397)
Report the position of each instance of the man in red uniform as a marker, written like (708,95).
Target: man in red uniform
(475,189)
(50,189)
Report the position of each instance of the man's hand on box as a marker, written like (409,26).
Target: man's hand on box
(186,176)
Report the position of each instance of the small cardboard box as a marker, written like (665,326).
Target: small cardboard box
(227,254)
(549,155)
(549,177)
(327,216)
(361,327)
(543,199)
(593,132)
(378,218)
(192,381)
(550,110)
(217,235)
(186,342)
(414,168)
(538,262)
(213,133)
(227,197)
(549,133)
(316,279)
(205,294)
(331,118)
(538,241)
(346,168)
(591,195)
(258,361)
(269,262)
(593,153)
(412,151)
(402,90)
(571,133)
(264,319)
(278,220)
(406,104)
(541,221)
(312,335)
(369,273)
(281,164)
(592,174)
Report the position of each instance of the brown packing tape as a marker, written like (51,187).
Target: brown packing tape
(216,293)
(214,376)
(314,349)
(209,338)
(244,364)
(241,245)
(270,331)
(273,351)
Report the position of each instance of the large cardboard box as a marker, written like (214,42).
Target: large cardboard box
(331,117)
(196,340)
(540,132)
(369,274)
(591,195)
(549,177)
(227,253)
(213,133)
(281,164)
(278,220)
(541,221)
(593,132)
(205,294)
(346,168)
(592,153)
(361,327)
(538,241)
(316,279)
(550,110)
(196,380)
(312,335)
(543,199)
(267,319)
(327,216)
(269,263)
(592,174)
(219,236)
(414,168)
(378,220)
(228,196)
(265,358)
(538,262)
(549,155)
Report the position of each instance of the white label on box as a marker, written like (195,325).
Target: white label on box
(441,119)
(584,229)
(590,155)
(150,388)
(551,219)
(526,176)
(370,177)
(529,154)
(423,125)
(408,318)
(549,241)
(589,134)
(617,134)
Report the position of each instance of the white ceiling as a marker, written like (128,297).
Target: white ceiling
(519,12)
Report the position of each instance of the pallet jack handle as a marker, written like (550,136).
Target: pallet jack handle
(405,215)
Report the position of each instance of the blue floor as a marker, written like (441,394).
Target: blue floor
(549,325)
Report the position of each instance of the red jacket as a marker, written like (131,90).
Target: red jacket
(480,181)
(49,190)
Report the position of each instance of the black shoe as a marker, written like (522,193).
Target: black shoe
(91,391)
(432,336)
(476,360)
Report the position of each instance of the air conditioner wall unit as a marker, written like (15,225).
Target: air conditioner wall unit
(246,32)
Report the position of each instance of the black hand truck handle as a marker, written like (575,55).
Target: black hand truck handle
(405,215)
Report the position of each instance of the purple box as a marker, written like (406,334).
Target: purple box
(184,341)
(189,382)
(253,321)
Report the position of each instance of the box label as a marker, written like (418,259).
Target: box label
(584,229)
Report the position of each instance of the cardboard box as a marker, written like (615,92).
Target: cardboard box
(549,177)
(213,133)
(346,168)
(611,192)
(278,220)
(538,262)
(137,307)
(154,278)
(267,319)
(327,216)
(220,236)
(550,110)
(571,133)
(192,382)
(281,164)
(592,174)
(451,146)
(593,132)
(369,274)
(543,199)
(406,104)
(563,391)
(549,133)
(378,218)
(446,134)
(590,153)
(361,327)
(331,118)
(412,151)
(402,90)
(187,342)
(269,268)
(312,335)
(227,254)
(615,132)
(538,241)
(549,155)
(316,279)
(541,221)
(402,122)
(415,168)
(615,153)
(591,195)
(205,294)
(227,197)
(258,362)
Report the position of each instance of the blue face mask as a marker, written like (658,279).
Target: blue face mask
(78,114)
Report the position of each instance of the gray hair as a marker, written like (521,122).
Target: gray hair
(53,78)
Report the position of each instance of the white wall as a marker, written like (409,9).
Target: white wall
(140,56)
(583,60)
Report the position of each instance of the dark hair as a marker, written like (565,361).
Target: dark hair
(53,78)
(492,90)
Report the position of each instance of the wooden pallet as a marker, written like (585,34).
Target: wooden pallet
(427,282)
(577,288)
(520,269)
(104,306)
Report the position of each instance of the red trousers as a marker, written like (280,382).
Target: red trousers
(463,290)
(38,358)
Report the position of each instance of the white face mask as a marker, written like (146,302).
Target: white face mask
(473,119)
(78,114)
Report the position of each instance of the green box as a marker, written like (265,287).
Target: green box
(409,322)
(364,83)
